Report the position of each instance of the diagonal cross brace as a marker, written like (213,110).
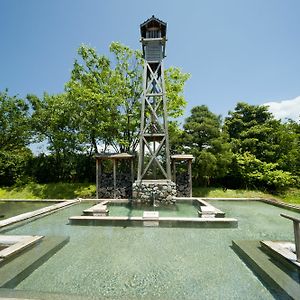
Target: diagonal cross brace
(154,157)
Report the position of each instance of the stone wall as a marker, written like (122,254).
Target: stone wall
(157,191)
(182,184)
(123,186)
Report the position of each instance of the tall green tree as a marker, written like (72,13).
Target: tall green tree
(204,138)
(265,149)
(252,128)
(175,80)
(54,123)
(15,128)
(95,93)
(289,154)
(15,135)
(107,95)
(128,64)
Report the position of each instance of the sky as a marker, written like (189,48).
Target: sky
(235,50)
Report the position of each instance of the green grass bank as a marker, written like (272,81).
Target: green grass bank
(88,190)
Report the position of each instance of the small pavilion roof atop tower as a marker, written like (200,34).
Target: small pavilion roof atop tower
(153,22)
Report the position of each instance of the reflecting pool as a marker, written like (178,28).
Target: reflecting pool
(181,209)
(160,263)
(12,208)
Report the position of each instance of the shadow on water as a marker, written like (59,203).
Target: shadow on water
(277,292)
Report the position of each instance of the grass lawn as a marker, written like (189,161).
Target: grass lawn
(88,190)
(290,196)
(49,191)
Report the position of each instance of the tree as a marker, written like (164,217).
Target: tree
(15,134)
(252,128)
(15,130)
(254,173)
(95,94)
(175,80)
(54,122)
(107,98)
(128,64)
(289,138)
(205,139)
(266,150)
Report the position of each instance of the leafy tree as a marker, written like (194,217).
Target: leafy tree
(177,144)
(205,139)
(94,95)
(15,134)
(107,97)
(266,150)
(255,173)
(128,64)
(53,121)
(289,137)
(252,128)
(15,130)
(14,166)
(175,80)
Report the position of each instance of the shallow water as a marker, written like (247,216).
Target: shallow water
(160,263)
(178,210)
(12,208)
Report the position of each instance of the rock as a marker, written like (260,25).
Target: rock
(169,198)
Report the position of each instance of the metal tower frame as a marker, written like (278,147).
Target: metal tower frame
(154,137)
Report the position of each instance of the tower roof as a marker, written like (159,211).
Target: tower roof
(153,22)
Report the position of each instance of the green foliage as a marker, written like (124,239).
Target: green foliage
(175,80)
(53,121)
(214,192)
(49,191)
(289,156)
(94,95)
(74,167)
(128,64)
(100,110)
(14,122)
(106,96)
(258,174)
(204,138)
(15,134)
(253,129)
(14,166)
(175,137)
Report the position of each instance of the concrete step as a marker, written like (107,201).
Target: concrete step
(280,281)
(10,294)
(13,271)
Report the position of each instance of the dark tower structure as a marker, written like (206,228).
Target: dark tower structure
(154,167)
(154,127)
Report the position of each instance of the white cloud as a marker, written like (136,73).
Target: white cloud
(285,109)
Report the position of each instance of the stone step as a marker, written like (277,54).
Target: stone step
(99,209)
(16,269)
(17,247)
(274,275)
(38,212)
(11,294)
(163,221)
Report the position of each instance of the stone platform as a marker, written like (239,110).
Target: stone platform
(154,191)
(282,250)
(271,271)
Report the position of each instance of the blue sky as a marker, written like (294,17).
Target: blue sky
(235,50)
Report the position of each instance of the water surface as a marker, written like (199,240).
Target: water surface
(155,263)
